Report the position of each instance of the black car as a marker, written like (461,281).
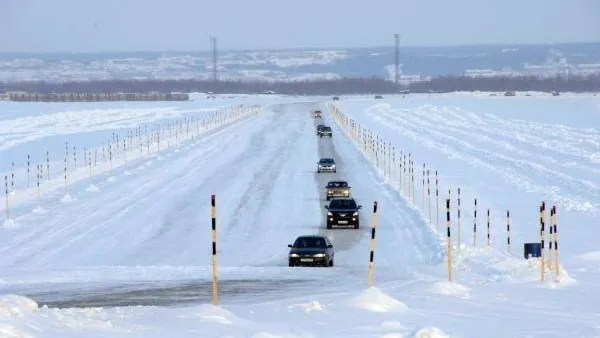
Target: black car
(326,165)
(325,131)
(343,212)
(319,127)
(311,250)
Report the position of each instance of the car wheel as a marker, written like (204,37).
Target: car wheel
(329,226)
(290,263)
(356,226)
(331,263)
(335,171)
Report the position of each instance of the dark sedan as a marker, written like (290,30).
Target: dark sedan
(343,212)
(314,250)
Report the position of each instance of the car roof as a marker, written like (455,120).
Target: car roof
(312,236)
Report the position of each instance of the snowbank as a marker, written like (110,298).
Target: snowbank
(373,299)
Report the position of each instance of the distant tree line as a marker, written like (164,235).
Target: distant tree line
(374,85)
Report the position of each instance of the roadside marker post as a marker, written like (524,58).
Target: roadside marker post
(475,224)
(542,235)
(449,239)
(213,213)
(372,244)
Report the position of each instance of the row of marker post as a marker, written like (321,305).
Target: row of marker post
(146,140)
(385,158)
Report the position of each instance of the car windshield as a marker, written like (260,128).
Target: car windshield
(326,160)
(310,242)
(337,185)
(343,204)
(326,128)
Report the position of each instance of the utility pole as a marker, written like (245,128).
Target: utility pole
(213,40)
(397,61)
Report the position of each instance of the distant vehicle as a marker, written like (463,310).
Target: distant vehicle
(317,114)
(378,97)
(319,127)
(326,165)
(325,132)
(335,98)
(337,189)
(312,250)
(343,212)
(509,93)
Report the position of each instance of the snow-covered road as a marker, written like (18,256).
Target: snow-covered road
(156,215)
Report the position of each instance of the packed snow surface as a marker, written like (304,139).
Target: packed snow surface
(125,249)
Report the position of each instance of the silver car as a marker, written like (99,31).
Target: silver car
(326,165)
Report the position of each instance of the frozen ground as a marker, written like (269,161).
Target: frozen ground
(128,253)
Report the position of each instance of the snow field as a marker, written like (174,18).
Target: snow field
(421,190)
(130,256)
(142,143)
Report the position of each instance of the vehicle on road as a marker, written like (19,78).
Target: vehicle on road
(326,164)
(317,114)
(337,189)
(319,127)
(313,250)
(343,212)
(336,98)
(325,132)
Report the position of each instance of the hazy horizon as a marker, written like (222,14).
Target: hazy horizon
(113,26)
(390,45)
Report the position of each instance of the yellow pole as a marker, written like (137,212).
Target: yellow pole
(429,198)
(423,190)
(542,235)
(28,173)
(488,227)
(550,240)
(125,152)
(556,243)
(214,249)
(475,224)
(437,203)
(412,182)
(449,240)
(372,245)
(6,195)
(39,167)
(458,219)
(65,175)
(508,231)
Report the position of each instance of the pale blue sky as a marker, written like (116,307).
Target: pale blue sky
(125,25)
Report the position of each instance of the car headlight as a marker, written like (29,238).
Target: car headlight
(329,213)
(355,213)
(294,255)
(319,255)
(333,165)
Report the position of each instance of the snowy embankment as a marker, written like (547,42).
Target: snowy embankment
(143,238)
